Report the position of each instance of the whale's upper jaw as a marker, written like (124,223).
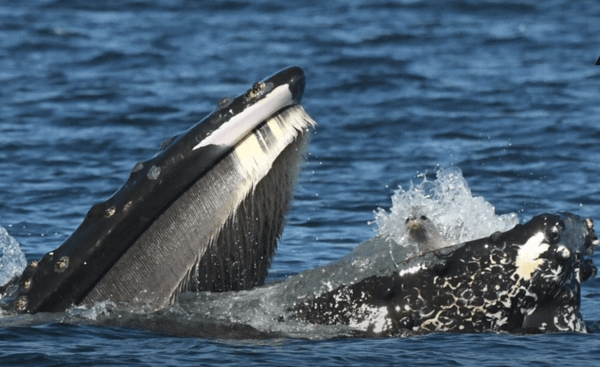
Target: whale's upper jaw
(233,119)
(214,152)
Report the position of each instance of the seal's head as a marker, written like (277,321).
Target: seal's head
(422,232)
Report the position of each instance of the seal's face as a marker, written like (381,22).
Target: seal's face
(421,231)
(416,228)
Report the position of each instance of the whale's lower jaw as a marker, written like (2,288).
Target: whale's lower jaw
(236,213)
(220,234)
(526,280)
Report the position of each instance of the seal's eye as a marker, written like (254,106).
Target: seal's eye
(424,217)
(407,219)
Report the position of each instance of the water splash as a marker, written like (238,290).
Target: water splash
(449,204)
(447,201)
(12,262)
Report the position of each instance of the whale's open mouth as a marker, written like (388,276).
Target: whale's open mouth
(204,213)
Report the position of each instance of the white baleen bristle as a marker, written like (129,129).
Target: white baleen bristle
(234,178)
(203,223)
(256,153)
(231,200)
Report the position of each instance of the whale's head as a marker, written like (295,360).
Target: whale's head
(551,265)
(204,213)
(525,280)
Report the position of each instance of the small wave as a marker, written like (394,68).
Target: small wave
(12,262)
(449,203)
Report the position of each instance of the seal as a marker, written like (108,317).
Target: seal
(424,234)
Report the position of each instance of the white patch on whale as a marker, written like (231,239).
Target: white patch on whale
(241,124)
(528,258)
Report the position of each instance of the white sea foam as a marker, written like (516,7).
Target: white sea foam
(12,262)
(449,203)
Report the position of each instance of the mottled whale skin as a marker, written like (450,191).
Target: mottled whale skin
(177,222)
(525,280)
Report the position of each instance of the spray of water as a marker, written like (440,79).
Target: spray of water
(12,262)
(449,204)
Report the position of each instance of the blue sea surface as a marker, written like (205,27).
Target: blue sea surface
(505,90)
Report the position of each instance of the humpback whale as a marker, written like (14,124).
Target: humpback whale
(525,280)
(205,213)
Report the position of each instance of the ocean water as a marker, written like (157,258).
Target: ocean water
(507,91)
